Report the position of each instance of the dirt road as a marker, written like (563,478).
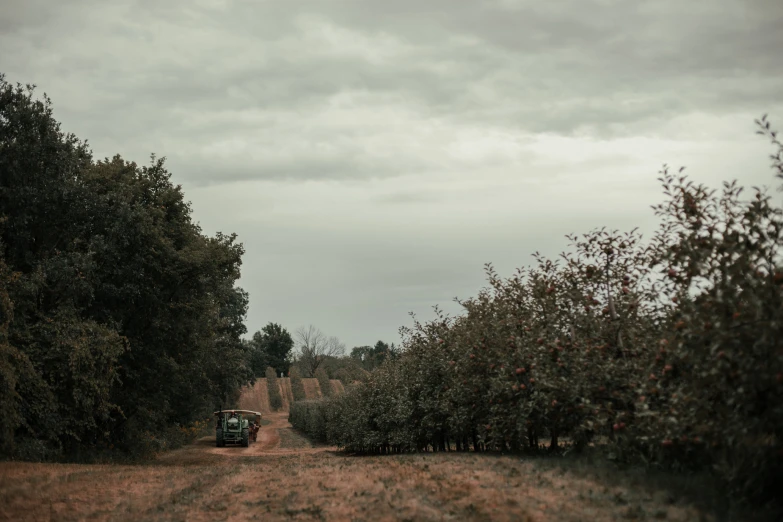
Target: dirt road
(276,438)
(284,477)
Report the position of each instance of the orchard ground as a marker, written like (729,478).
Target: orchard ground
(285,477)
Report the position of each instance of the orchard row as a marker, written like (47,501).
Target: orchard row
(669,351)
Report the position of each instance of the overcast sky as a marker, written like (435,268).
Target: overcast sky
(373,155)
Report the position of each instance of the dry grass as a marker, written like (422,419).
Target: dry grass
(284,477)
(311,388)
(256,398)
(286,392)
(337,387)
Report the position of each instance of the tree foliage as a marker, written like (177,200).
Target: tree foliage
(257,356)
(371,357)
(119,316)
(276,343)
(668,351)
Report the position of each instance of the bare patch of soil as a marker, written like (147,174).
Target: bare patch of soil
(284,476)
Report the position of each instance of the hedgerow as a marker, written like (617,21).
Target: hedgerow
(297,386)
(309,416)
(669,352)
(273,389)
(324,383)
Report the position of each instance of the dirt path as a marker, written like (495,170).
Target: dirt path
(283,476)
(268,443)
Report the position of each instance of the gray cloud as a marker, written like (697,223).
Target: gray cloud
(373,155)
(404,197)
(525,65)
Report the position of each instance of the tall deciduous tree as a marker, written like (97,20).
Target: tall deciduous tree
(276,343)
(315,347)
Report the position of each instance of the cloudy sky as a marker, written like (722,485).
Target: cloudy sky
(373,155)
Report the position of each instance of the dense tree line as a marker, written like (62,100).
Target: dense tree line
(120,321)
(669,351)
(371,357)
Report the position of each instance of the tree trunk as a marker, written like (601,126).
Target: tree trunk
(553,446)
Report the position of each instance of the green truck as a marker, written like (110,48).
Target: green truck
(233,427)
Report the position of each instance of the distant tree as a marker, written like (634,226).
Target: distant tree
(370,357)
(259,359)
(297,386)
(275,399)
(277,344)
(315,347)
(323,382)
(362,355)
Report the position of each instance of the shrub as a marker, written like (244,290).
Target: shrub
(309,417)
(323,382)
(350,374)
(275,399)
(297,386)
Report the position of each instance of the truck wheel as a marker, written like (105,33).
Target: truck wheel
(245,438)
(219,438)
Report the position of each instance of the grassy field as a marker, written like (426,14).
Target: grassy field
(285,477)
